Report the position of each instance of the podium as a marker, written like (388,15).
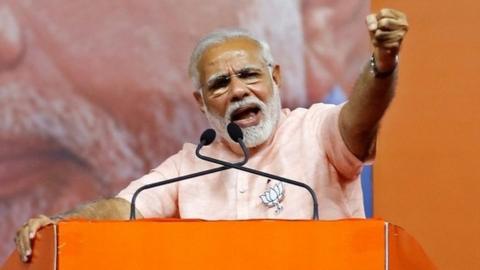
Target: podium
(194,244)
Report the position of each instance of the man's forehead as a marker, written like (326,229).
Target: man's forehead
(234,53)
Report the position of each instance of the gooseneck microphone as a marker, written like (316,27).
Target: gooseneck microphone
(207,137)
(236,134)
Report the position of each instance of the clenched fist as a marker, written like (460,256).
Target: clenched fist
(387,30)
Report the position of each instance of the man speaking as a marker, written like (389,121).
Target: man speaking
(236,80)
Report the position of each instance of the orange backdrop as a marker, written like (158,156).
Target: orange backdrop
(426,175)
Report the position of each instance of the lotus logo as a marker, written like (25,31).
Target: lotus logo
(274,196)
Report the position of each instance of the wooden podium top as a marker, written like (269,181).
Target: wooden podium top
(254,244)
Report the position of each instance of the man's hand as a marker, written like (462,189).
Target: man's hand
(387,30)
(103,209)
(27,233)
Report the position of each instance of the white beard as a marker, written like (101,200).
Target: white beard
(254,135)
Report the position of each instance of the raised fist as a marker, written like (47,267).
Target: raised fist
(387,30)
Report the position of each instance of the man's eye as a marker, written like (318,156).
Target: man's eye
(219,83)
(248,75)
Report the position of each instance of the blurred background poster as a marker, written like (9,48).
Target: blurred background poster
(93,94)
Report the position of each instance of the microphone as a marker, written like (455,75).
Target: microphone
(235,132)
(207,137)
(236,135)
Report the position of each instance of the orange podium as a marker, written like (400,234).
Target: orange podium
(254,244)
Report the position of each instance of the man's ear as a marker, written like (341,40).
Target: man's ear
(276,75)
(198,97)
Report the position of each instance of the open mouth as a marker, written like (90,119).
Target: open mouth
(246,116)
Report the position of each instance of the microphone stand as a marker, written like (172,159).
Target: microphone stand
(264,174)
(180,178)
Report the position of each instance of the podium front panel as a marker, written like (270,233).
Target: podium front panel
(221,244)
(258,244)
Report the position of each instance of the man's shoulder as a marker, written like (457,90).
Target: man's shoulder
(188,146)
(300,120)
(314,109)
(187,149)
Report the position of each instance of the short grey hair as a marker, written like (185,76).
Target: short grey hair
(219,37)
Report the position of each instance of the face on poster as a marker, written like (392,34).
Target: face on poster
(93,94)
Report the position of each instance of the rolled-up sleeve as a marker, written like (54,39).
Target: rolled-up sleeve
(344,161)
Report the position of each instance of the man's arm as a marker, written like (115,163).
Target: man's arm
(115,208)
(373,91)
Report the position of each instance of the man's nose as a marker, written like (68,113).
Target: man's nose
(239,89)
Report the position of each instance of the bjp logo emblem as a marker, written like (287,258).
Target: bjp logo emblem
(274,196)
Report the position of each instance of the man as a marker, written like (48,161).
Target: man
(323,146)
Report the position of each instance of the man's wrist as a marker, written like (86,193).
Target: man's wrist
(381,73)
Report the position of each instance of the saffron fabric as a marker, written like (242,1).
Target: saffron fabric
(307,146)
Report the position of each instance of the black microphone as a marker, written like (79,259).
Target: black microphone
(235,132)
(236,135)
(207,137)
